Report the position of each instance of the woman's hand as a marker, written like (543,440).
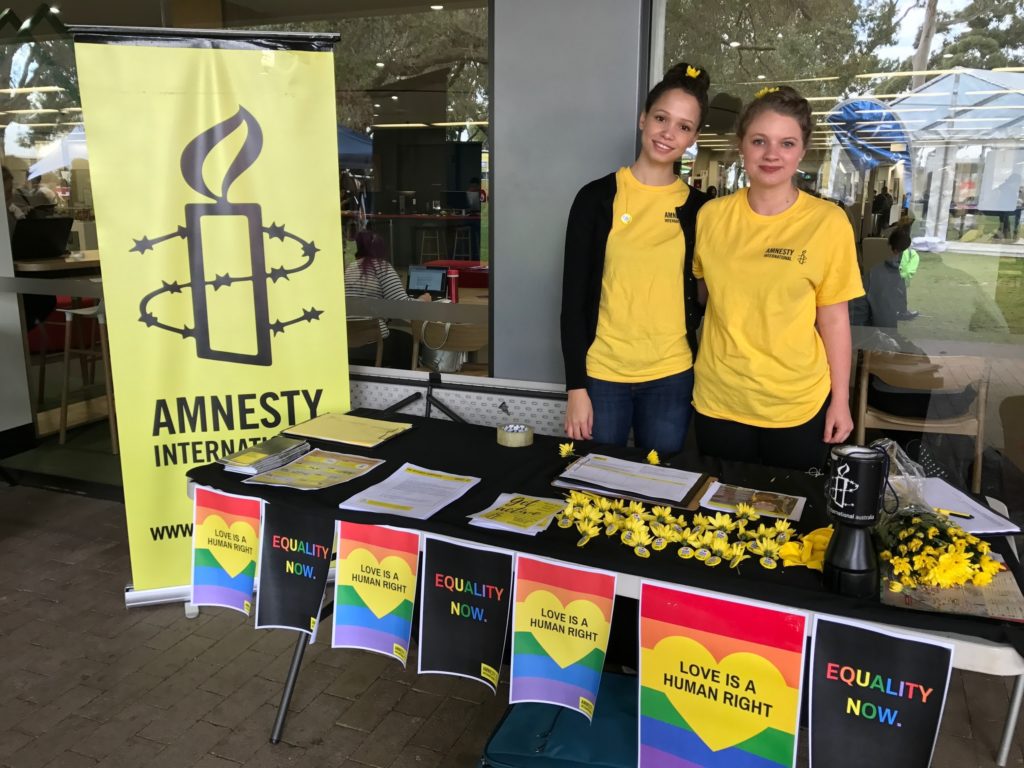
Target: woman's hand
(579,415)
(838,422)
(424,297)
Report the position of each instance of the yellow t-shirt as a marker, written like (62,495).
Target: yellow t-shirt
(641,326)
(761,360)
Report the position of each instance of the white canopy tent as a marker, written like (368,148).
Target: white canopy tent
(967,118)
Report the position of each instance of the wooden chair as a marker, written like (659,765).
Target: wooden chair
(363,331)
(875,250)
(451,337)
(922,372)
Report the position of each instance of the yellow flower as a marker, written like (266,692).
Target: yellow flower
(900,565)
(636,508)
(765,91)
(738,555)
(721,547)
(578,497)
(653,458)
(914,545)
(592,515)
(766,547)
(746,511)
(981,578)
(990,566)
(663,514)
(720,522)
(692,71)
(565,450)
(895,586)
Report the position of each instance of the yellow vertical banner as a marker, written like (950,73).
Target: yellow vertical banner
(215,180)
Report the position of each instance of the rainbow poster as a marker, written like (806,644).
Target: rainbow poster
(562,617)
(227,532)
(376,586)
(720,681)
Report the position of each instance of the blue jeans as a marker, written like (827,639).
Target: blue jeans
(658,411)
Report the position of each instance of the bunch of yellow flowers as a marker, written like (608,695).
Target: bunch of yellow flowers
(926,548)
(711,539)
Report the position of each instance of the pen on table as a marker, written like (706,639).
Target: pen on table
(953,513)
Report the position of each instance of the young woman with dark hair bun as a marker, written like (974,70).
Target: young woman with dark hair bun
(629,299)
(779,267)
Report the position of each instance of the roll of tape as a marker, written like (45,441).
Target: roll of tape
(515,435)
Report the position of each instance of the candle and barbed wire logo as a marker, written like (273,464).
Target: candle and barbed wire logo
(841,486)
(203,264)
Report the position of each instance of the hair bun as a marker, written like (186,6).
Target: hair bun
(692,74)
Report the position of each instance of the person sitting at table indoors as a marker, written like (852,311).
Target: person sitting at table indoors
(36,199)
(778,266)
(372,276)
(629,300)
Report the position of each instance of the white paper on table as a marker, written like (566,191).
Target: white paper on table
(523,513)
(411,491)
(938,493)
(631,477)
(794,516)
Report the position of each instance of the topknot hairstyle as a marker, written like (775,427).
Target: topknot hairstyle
(782,100)
(690,78)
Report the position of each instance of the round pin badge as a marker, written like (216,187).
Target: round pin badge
(626,218)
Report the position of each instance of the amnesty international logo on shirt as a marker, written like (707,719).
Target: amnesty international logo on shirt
(786,254)
(215,179)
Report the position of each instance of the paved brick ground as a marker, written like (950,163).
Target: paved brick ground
(84,682)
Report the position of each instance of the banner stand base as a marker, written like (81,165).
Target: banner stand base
(135,598)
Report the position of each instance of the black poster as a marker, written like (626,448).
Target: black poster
(465,597)
(880,692)
(295,556)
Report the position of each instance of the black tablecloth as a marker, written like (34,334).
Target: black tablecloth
(472,450)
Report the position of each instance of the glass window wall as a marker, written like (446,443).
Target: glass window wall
(919,126)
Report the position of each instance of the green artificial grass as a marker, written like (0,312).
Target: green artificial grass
(967,297)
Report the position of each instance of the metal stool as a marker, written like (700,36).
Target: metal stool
(87,352)
(432,245)
(462,248)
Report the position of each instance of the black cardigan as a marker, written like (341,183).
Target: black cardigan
(586,237)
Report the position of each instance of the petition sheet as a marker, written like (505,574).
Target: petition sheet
(412,491)
(647,480)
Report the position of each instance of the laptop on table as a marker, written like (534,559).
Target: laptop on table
(432,280)
(41,238)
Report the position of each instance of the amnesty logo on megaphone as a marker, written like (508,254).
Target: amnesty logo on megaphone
(205,281)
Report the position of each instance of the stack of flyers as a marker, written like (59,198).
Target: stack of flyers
(518,514)
(265,456)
